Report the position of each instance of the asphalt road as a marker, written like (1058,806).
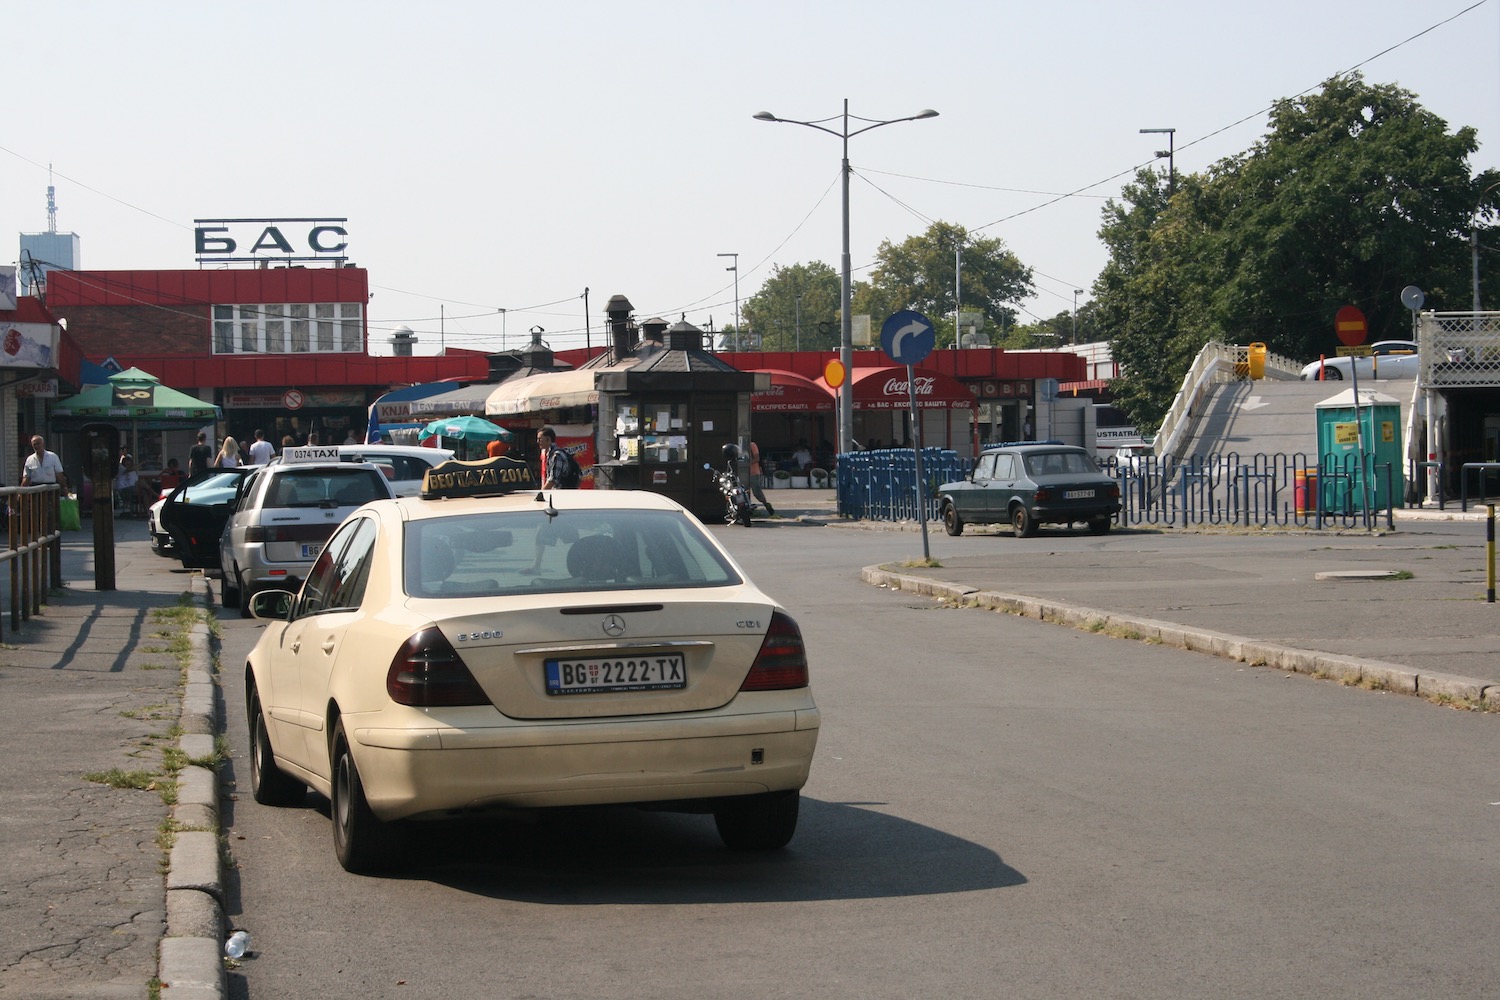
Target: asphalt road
(998,807)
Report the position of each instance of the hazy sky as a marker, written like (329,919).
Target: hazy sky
(498,156)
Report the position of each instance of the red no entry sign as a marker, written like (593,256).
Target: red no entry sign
(1349,323)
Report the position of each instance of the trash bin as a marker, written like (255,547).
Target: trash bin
(1257,361)
(1305,491)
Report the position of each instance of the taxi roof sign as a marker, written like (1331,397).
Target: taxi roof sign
(311,453)
(486,478)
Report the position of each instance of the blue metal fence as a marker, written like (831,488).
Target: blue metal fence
(882,485)
(1222,488)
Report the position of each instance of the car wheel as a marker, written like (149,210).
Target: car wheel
(361,841)
(1332,375)
(269,784)
(1100,525)
(231,589)
(1021,522)
(952,523)
(245,596)
(758,822)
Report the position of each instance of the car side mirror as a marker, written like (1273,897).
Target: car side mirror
(272,605)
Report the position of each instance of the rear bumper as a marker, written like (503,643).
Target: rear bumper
(1063,515)
(416,773)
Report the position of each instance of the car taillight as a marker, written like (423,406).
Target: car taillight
(427,671)
(782,660)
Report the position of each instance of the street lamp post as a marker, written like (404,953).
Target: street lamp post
(846,320)
(735,267)
(1171,134)
(1474,240)
(799,321)
(1076,292)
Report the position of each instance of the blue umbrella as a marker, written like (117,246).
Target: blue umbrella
(466,428)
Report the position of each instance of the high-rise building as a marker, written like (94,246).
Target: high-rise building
(42,252)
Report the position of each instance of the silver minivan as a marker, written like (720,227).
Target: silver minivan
(284,514)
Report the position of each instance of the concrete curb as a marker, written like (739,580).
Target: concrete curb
(191,959)
(1255,652)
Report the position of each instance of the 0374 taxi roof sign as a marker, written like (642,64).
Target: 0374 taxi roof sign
(486,478)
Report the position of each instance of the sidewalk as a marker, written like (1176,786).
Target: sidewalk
(86,688)
(1402,610)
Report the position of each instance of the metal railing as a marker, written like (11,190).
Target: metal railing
(34,549)
(881,485)
(1459,350)
(1219,489)
(1216,364)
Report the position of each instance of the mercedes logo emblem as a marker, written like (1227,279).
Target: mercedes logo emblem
(614,626)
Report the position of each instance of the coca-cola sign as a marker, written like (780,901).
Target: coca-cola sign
(897,386)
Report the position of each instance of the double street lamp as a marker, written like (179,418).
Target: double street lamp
(846,320)
(735,267)
(1171,134)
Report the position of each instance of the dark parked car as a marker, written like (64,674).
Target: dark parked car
(193,515)
(1028,485)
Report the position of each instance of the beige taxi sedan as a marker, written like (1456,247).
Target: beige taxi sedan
(449,655)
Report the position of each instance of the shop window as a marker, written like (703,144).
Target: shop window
(295,328)
(275,330)
(249,329)
(654,433)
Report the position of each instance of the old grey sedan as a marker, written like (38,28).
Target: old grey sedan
(1028,485)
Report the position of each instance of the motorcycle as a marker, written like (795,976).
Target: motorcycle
(737,503)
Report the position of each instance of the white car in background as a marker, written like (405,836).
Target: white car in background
(403,465)
(1387,359)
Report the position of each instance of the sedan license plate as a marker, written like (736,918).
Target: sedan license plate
(592,674)
(311,550)
(1078,495)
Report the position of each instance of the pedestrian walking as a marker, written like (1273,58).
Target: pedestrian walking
(200,455)
(229,454)
(756,471)
(261,450)
(42,466)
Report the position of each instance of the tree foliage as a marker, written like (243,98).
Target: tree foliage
(917,273)
(1355,192)
(773,312)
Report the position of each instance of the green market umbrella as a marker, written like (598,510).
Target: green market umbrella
(469,429)
(139,399)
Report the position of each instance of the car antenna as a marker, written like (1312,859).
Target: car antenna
(541,496)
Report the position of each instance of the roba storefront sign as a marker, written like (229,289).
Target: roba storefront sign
(289,240)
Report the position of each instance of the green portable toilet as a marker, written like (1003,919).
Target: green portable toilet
(1341,424)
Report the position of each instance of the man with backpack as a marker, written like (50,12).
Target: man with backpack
(560,471)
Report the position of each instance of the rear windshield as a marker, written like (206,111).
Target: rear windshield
(1059,463)
(495,553)
(325,487)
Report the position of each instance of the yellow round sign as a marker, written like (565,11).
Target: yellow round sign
(833,373)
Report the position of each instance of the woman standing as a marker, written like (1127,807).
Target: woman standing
(229,454)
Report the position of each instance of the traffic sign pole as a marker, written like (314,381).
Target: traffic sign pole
(908,337)
(911,400)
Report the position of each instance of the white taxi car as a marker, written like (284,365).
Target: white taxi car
(452,654)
